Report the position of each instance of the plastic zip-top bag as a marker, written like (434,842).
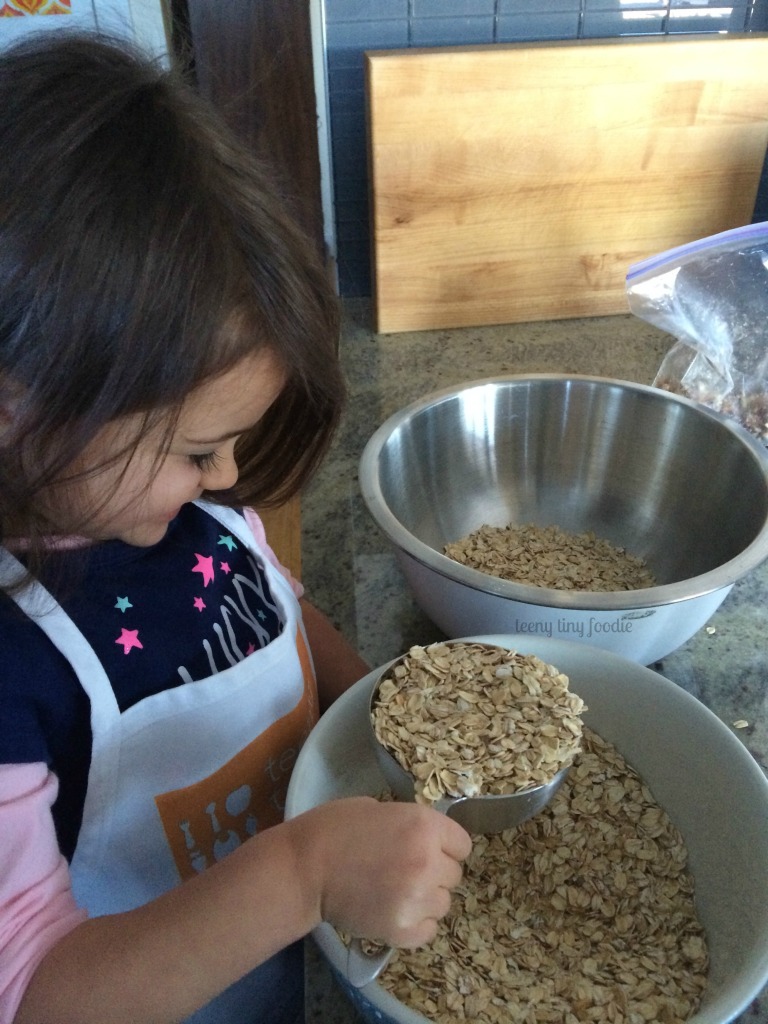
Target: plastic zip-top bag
(712,296)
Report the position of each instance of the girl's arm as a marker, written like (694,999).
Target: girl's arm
(36,904)
(377,869)
(337,663)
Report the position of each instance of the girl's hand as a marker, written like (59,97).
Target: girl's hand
(381,871)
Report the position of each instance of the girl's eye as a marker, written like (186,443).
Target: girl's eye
(205,461)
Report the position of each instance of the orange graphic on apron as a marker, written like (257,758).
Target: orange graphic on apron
(207,820)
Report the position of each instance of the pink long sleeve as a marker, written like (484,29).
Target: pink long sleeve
(256,526)
(37,907)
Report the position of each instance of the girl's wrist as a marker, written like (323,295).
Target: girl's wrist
(304,852)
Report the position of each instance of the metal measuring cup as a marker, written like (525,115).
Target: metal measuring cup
(483,814)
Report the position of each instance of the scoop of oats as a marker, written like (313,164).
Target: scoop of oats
(469,719)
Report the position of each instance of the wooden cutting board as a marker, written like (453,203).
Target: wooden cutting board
(519,182)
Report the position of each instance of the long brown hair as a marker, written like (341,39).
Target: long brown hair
(142,253)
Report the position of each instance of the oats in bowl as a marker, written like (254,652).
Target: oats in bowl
(548,556)
(583,913)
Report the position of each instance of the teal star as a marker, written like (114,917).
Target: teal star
(123,604)
(228,542)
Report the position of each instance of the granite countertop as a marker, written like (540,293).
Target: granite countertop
(350,571)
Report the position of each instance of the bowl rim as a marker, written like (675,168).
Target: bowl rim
(722,576)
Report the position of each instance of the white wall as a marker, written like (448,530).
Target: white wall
(319,51)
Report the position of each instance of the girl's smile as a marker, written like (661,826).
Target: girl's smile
(134,498)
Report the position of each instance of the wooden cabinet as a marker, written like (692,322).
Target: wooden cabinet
(253,60)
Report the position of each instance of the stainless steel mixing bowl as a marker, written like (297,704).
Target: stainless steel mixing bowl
(666,478)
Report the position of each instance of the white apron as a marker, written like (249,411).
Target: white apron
(183,777)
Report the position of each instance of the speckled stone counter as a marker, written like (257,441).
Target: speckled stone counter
(350,571)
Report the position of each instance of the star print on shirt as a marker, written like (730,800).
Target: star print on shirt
(129,638)
(199,603)
(204,567)
(224,566)
(227,541)
(123,604)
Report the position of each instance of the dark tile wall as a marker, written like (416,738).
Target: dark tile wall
(353,26)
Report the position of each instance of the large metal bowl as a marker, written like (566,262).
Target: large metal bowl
(667,478)
(697,769)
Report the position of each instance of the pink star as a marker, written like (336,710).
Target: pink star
(199,603)
(224,566)
(250,650)
(204,567)
(129,638)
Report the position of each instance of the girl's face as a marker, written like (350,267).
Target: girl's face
(117,502)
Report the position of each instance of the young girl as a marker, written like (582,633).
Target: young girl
(167,359)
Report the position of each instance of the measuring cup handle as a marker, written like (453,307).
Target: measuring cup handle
(362,967)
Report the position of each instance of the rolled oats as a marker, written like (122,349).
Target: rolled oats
(547,556)
(466,719)
(584,913)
